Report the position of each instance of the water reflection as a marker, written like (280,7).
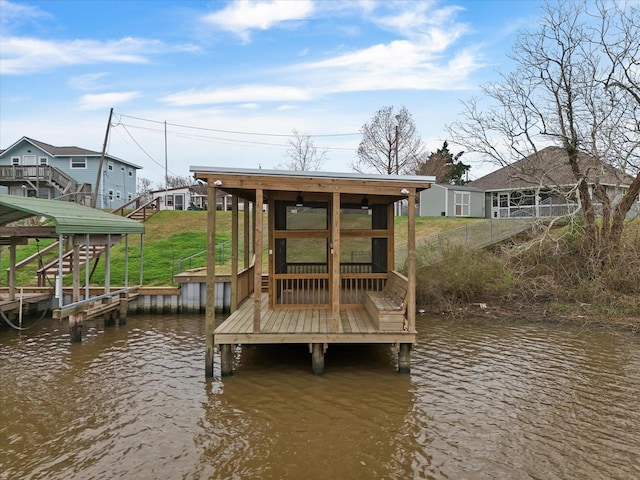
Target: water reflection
(287,423)
(484,400)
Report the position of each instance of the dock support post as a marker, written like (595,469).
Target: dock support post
(76,321)
(404,358)
(124,308)
(210,319)
(226,359)
(317,358)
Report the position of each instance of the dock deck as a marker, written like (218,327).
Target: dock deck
(310,325)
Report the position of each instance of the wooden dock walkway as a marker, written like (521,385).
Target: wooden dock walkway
(310,325)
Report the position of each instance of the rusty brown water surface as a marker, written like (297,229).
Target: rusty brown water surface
(483,401)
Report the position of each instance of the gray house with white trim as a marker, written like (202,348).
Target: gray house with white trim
(36,169)
(543,185)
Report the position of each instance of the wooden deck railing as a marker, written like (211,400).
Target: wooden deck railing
(307,285)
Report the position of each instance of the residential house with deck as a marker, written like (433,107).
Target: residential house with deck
(32,168)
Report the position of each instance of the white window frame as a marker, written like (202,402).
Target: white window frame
(118,195)
(110,194)
(43,161)
(74,163)
(15,161)
(110,166)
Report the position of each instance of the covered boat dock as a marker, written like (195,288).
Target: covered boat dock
(73,225)
(328,256)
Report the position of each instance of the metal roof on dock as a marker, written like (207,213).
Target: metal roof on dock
(68,218)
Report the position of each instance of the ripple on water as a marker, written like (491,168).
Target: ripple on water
(483,401)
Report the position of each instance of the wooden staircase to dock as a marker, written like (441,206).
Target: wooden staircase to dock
(140,209)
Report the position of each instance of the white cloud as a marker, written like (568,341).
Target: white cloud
(401,64)
(25,55)
(87,81)
(245,94)
(242,17)
(15,14)
(104,100)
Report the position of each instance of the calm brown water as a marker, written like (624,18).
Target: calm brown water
(483,402)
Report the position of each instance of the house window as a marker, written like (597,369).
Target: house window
(122,169)
(110,166)
(78,163)
(118,195)
(44,161)
(15,161)
(130,173)
(110,195)
(461,202)
(169,200)
(129,196)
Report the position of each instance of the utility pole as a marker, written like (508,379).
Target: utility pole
(94,197)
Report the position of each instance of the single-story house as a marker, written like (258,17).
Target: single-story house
(540,185)
(33,168)
(446,200)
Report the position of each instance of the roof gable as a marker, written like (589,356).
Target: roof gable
(549,167)
(68,151)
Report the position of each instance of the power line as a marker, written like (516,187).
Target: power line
(221,139)
(235,132)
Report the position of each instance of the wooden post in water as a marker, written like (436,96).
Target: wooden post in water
(317,358)
(124,308)
(210,319)
(76,320)
(404,358)
(226,360)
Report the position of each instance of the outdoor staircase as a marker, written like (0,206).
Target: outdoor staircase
(139,209)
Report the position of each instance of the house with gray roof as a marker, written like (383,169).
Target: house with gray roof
(33,168)
(543,185)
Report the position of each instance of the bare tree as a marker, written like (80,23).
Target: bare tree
(176,181)
(144,186)
(303,154)
(575,86)
(390,143)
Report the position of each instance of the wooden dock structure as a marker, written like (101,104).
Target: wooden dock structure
(81,228)
(328,252)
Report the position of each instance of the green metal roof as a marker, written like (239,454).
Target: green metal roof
(69,218)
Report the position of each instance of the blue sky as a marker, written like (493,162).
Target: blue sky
(233,79)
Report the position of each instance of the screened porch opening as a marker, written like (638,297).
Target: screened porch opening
(302,246)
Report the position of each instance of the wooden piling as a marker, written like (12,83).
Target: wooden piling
(76,321)
(226,359)
(124,308)
(404,358)
(317,358)
(210,320)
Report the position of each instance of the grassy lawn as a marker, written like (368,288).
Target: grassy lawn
(174,235)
